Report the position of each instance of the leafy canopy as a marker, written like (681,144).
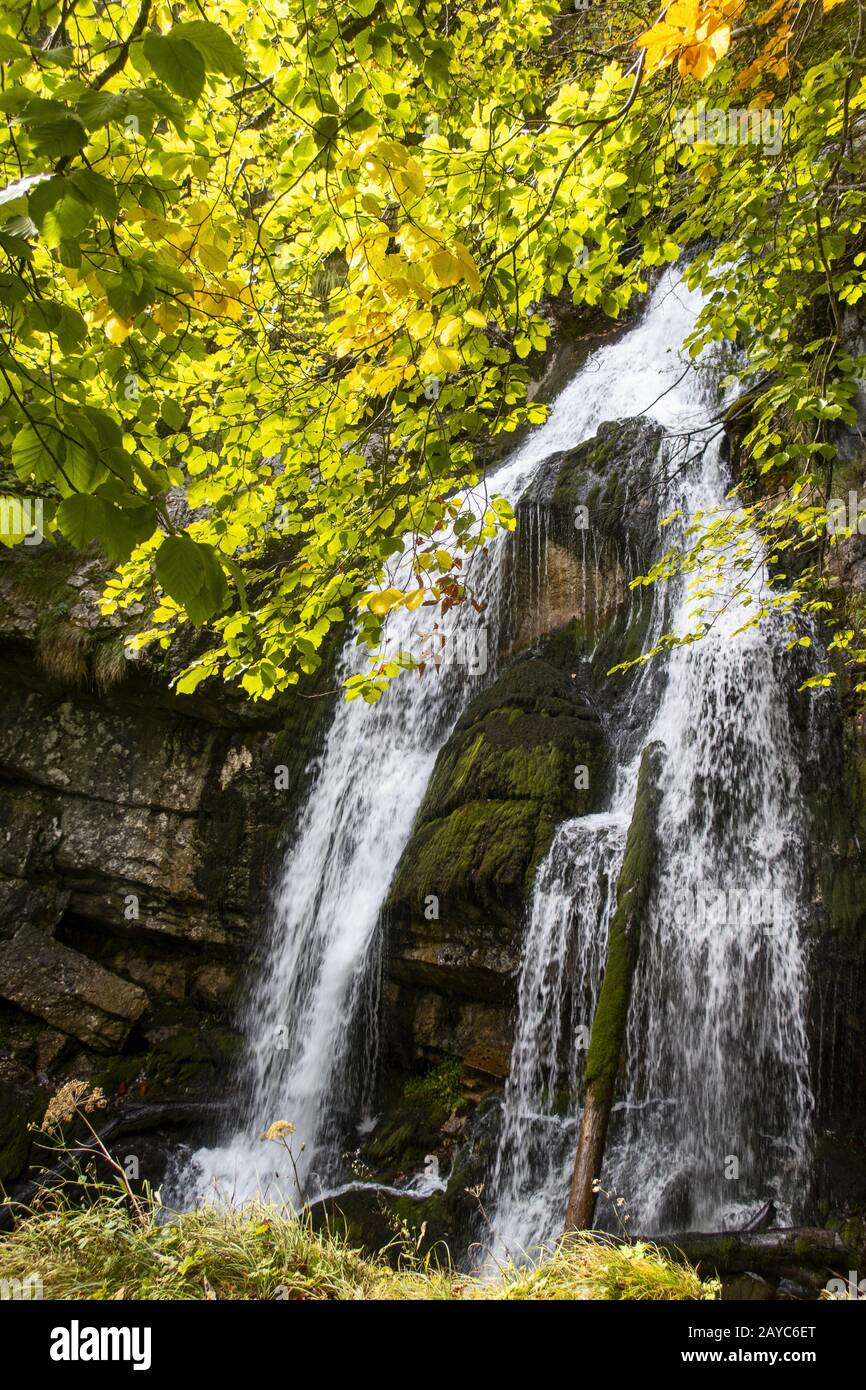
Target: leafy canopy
(272,278)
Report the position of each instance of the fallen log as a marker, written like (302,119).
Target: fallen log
(611,1011)
(762,1252)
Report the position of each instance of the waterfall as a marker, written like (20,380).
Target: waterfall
(717,1064)
(311,1025)
(717,1109)
(561,967)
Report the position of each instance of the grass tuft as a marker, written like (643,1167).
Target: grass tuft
(62,650)
(106,1250)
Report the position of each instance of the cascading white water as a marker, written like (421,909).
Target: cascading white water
(718,1110)
(717,1113)
(561,968)
(311,1026)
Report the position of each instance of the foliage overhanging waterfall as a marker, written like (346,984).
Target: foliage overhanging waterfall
(717,1063)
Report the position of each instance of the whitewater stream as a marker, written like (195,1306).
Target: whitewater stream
(716,1119)
(717,1065)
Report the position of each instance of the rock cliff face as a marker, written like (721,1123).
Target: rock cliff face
(527,752)
(138,832)
(530,751)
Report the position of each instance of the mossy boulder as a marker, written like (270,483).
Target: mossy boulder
(528,752)
(414,1110)
(435,1113)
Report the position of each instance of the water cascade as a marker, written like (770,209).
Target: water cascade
(717,1111)
(717,1051)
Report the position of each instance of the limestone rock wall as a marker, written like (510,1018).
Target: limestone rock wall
(530,751)
(138,834)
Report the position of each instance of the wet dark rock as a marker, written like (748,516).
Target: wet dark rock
(748,1288)
(68,990)
(138,834)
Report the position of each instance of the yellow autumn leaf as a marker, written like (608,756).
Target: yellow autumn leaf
(446,268)
(683,13)
(773,10)
(116,329)
(166,316)
(96,313)
(414,599)
(470,269)
(420,323)
(409,179)
(700,59)
(440,361)
(449,330)
(211,257)
(696,35)
(451,265)
(476,318)
(381,601)
(381,380)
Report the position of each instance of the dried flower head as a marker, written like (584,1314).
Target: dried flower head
(72,1097)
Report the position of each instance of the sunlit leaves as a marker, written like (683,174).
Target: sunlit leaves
(190,573)
(303,261)
(176,62)
(695,34)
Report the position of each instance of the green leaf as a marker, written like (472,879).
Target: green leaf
(71,330)
(96,109)
(12,289)
(180,568)
(98,191)
(193,678)
(37,452)
(81,518)
(81,469)
(214,595)
(64,136)
(191,574)
(217,48)
(172,413)
(149,100)
(177,63)
(10,49)
(58,211)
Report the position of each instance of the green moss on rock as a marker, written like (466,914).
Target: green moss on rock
(175,1065)
(506,776)
(415,1108)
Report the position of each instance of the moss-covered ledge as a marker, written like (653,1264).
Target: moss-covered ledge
(528,752)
